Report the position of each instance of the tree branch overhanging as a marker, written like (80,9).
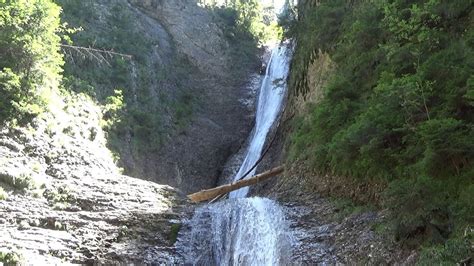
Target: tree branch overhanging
(94,53)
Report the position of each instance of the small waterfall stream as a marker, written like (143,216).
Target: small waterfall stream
(270,99)
(240,230)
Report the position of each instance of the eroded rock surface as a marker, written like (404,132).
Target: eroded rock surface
(106,219)
(191,157)
(67,201)
(194,32)
(324,236)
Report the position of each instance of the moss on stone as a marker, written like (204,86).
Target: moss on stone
(174,230)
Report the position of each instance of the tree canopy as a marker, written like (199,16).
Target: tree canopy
(399,107)
(30,60)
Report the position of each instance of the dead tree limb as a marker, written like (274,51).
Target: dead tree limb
(217,191)
(97,54)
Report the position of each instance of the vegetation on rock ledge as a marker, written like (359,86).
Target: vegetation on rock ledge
(246,25)
(398,109)
(30,60)
(120,83)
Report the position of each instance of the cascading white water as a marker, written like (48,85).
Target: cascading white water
(272,93)
(245,231)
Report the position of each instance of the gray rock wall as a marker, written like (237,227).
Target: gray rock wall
(66,201)
(192,157)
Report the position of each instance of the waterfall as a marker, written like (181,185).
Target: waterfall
(245,231)
(272,93)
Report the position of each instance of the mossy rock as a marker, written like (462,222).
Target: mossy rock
(174,231)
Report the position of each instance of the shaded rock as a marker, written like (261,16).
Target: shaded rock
(192,156)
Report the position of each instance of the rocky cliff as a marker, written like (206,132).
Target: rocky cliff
(65,200)
(192,158)
(62,196)
(185,99)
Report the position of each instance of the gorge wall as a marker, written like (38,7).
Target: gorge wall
(192,158)
(162,99)
(372,128)
(185,114)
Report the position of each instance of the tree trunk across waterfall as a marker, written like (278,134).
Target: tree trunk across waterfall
(217,191)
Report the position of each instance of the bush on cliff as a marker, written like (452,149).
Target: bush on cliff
(399,107)
(113,27)
(30,60)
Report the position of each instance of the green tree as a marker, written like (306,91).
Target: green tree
(398,108)
(30,60)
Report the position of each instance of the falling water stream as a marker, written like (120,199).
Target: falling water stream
(241,230)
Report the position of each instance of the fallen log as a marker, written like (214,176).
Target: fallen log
(217,191)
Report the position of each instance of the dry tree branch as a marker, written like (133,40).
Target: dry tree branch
(97,54)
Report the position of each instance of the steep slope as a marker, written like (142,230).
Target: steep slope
(172,105)
(184,97)
(380,117)
(67,201)
(221,121)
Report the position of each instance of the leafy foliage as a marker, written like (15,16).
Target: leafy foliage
(122,85)
(246,25)
(30,62)
(113,110)
(3,194)
(21,182)
(450,253)
(10,257)
(249,18)
(244,44)
(398,107)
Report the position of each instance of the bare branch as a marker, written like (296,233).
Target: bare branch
(94,53)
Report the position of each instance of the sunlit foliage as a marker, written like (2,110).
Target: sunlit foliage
(399,107)
(30,61)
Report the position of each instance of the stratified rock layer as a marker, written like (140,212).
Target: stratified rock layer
(192,157)
(76,206)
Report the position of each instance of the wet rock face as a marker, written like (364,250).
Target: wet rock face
(67,201)
(107,219)
(322,237)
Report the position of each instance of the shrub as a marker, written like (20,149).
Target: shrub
(10,257)
(399,107)
(113,110)
(19,181)
(453,252)
(420,209)
(30,61)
